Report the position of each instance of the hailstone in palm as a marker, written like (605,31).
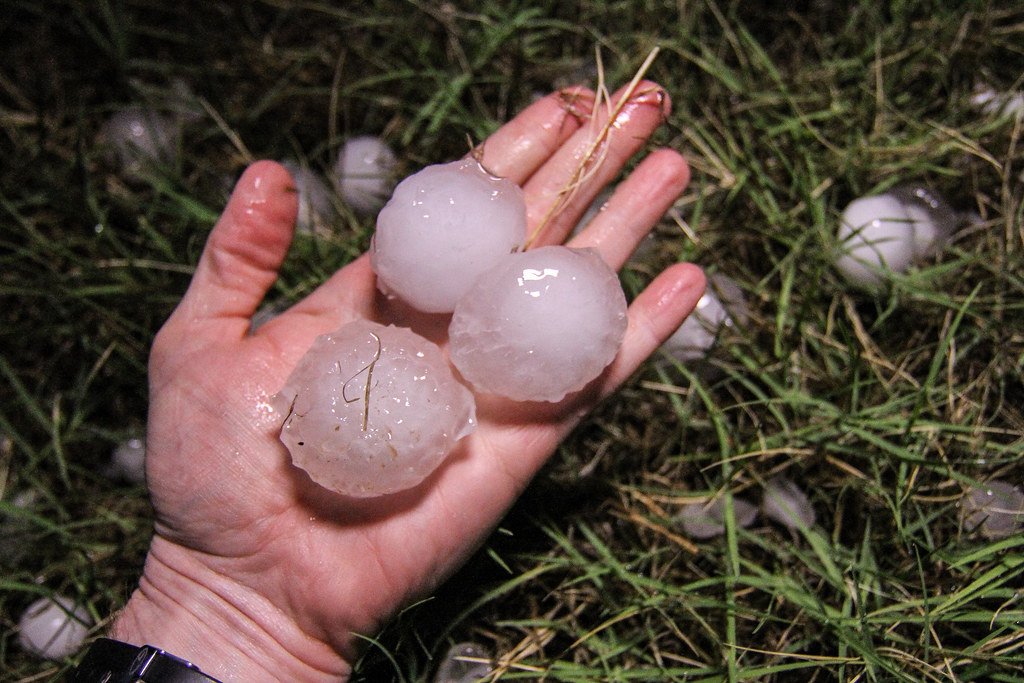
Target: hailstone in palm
(372,409)
(540,324)
(365,172)
(441,229)
(53,628)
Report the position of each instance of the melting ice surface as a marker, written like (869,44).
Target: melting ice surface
(441,229)
(372,410)
(540,324)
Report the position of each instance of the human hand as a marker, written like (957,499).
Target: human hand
(254,571)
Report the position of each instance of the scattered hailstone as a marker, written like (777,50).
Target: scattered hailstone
(365,172)
(995,510)
(53,628)
(441,229)
(998,104)
(786,504)
(707,520)
(722,306)
(890,231)
(128,461)
(316,207)
(539,324)
(464,663)
(141,138)
(371,410)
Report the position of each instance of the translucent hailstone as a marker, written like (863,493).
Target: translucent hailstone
(372,410)
(786,504)
(721,307)
(53,628)
(365,172)
(888,232)
(464,663)
(995,510)
(140,139)
(540,324)
(707,520)
(128,461)
(441,229)
(316,206)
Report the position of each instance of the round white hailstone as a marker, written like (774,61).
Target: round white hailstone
(722,306)
(141,139)
(888,232)
(371,410)
(316,209)
(704,520)
(441,229)
(53,628)
(128,461)
(995,510)
(785,503)
(540,324)
(464,663)
(365,172)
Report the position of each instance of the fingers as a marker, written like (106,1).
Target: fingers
(607,146)
(243,253)
(638,203)
(523,144)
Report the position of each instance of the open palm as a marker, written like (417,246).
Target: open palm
(255,572)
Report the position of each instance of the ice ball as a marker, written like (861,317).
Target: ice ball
(707,520)
(540,324)
(441,229)
(464,663)
(128,461)
(53,628)
(365,172)
(786,504)
(721,306)
(371,410)
(888,232)
(316,207)
(140,139)
(995,510)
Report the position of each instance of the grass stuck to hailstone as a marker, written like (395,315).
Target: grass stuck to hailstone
(884,408)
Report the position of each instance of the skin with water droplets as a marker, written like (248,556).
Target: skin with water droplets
(540,324)
(372,409)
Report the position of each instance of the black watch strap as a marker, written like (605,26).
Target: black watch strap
(111,661)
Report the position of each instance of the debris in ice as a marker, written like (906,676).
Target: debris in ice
(365,172)
(316,206)
(140,140)
(540,324)
(707,520)
(464,663)
(53,628)
(128,461)
(994,509)
(786,504)
(721,307)
(441,229)
(888,232)
(371,410)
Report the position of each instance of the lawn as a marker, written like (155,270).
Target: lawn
(886,407)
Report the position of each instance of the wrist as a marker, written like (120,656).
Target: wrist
(229,631)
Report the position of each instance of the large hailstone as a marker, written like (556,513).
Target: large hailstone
(540,324)
(372,410)
(441,229)
(53,628)
(722,306)
(890,231)
(365,172)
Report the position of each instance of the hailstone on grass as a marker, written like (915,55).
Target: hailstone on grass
(786,504)
(365,172)
(441,229)
(707,520)
(539,324)
(141,139)
(994,509)
(886,233)
(128,461)
(463,663)
(722,306)
(316,209)
(371,410)
(53,628)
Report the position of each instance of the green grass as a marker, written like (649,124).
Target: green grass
(885,408)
